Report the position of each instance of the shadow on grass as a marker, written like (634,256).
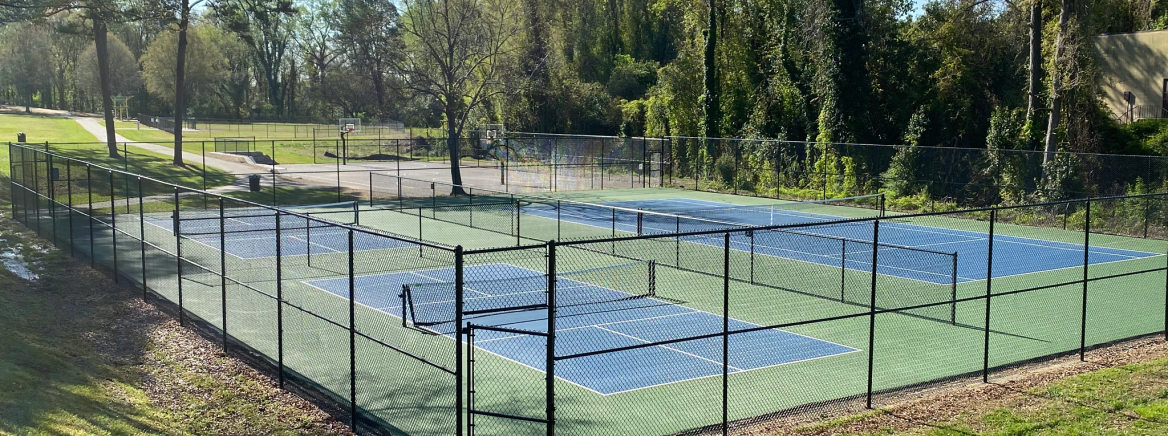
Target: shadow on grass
(70,347)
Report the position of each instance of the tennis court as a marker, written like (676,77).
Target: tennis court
(590,317)
(903,245)
(247,235)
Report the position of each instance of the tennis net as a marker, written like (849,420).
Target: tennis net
(258,219)
(518,297)
(780,214)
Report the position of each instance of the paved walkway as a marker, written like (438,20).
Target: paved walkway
(237,169)
(93,125)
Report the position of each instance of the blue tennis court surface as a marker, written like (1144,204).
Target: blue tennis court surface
(1013,255)
(617,321)
(261,242)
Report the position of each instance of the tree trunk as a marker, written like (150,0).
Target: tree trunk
(1035,57)
(107,103)
(452,136)
(711,108)
(1056,88)
(61,89)
(180,74)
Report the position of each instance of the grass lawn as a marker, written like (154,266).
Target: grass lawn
(41,128)
(134,132)
(81,355)
(293,143)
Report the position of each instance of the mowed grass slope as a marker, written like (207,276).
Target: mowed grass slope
(80,355)
(39,129)
(59,132)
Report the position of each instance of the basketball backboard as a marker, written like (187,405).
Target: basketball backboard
(349,125)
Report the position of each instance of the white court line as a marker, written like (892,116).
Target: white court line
(860,260)
(461,341)
(736,369)
(697,310)
(313,243)
(964,233)
(691,312)
(264,238)
(1094,249)
(1067,267)
(713,245)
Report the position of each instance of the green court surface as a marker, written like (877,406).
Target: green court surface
(911,347)
(403,392)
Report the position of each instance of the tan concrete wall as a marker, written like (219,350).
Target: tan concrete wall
(1135,62)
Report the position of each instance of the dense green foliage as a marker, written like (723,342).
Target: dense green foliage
(815,70)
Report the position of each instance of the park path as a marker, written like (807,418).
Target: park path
(94,127)
(237,169)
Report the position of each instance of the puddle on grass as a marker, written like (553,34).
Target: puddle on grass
(14,261)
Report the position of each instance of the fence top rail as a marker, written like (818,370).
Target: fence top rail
(572,135)
(736,227)
(546,200)
(924,147)
(242,201)
(860,220)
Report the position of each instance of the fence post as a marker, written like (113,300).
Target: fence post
(51,191)
(459,281)
(178,255)
(36,182)
(677,241)
(644,159)
(12,180)
(113,223)
(726,334)
(751,234)
(279,302)
(734,178)
(1147,205)
(985,365)
(142,239)
(89,212)
(1086,263)
(843,270)
(203,145)
(550,364)
(353,340)
(223,271)
(69,205)
(872,309)
(602,164)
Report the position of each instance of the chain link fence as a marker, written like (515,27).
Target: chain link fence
(636,325)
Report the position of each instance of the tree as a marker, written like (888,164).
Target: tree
(317,36)
(369,37)
(124,78)
(204,67)
(180,73)
(711,101)
(1056,83)
(1035,67)
(267,27)
(69,41)
(25,58)
(457,52)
